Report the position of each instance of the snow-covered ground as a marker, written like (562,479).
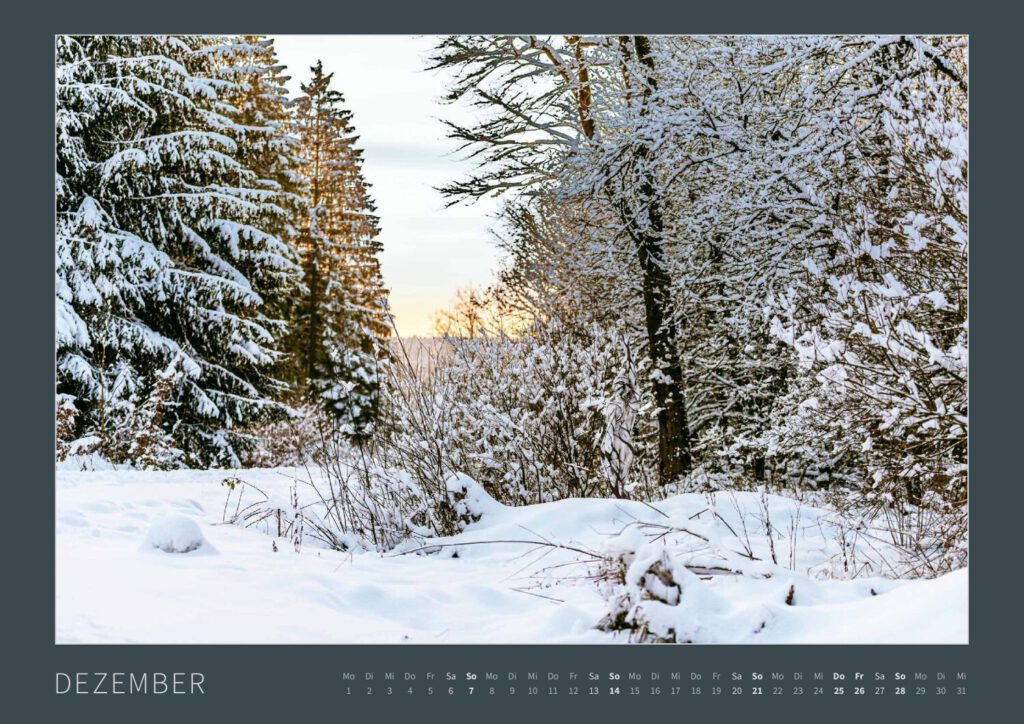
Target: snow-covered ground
(121,575)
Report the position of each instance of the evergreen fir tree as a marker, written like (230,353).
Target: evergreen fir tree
(101,269)
(262,113)
(367,325)
(339,338)
(168,242)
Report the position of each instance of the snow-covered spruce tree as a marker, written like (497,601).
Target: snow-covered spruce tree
(142,435)
(258,103)
(880,317)
(161,251)
(99,269)
(367,326)
(341,332)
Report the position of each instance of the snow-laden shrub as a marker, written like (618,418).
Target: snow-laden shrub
(380,492)
(879,318)
(549,414)
(357,506)
(910,541)
(530,416)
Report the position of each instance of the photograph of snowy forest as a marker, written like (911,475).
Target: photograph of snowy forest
(511,339)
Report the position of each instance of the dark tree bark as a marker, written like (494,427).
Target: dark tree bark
(644,219)
(584,95)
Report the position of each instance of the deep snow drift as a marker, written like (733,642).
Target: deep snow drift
(144,557)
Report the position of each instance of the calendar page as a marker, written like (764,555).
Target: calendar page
(403,370)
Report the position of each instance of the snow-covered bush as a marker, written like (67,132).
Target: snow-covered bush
(350,503)
(878,319)
(141,438)
(548,414)
(910,541)
(539,416)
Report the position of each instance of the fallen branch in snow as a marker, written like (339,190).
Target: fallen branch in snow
(703,571)
(539,595)
(666,530)
(591,554)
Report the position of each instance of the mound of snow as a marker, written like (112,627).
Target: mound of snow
(176,534)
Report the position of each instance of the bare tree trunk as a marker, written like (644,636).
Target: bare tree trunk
(644,219)
(583,92)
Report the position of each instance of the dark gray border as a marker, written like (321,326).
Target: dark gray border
(282,683)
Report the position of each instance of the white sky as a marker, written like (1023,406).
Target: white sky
(429,251)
